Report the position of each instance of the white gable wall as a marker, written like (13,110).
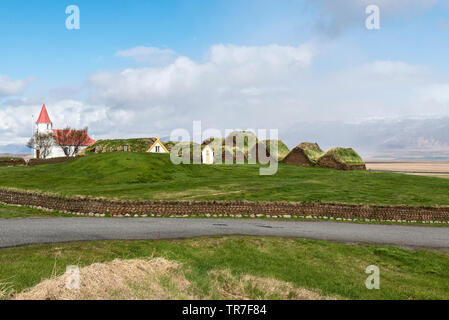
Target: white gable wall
(208,155)
(157,148)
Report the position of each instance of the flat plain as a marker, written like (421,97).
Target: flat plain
(427,168)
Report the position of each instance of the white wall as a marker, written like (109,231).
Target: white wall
(208,155)
(57,152)
(44,127)
(161,149)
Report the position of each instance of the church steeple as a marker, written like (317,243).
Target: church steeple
(43,117)
(44,124)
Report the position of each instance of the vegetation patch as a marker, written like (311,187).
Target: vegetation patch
(312,150)
(348,156)
(305,154)
(144,176)
(10,212)
(222,267)
(117,280)
(132,145)
(342,159)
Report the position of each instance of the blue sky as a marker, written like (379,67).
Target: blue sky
(398,72)
(36,42)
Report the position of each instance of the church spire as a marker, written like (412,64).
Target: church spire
(43,117)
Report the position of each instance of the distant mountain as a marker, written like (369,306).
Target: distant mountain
(15,155)
(15,149)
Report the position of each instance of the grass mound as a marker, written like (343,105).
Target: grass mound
(116,280)
(134,145)
(161,279)
(342,159)
(348,156)
(310,146)
(305,154)
(312,150)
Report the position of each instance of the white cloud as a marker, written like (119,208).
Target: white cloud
(9,87)
(437,93)
(18,119)
(248,87)
(266,86)
(184,89)
(151,55)
(393,69)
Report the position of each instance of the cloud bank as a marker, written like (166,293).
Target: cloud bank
(9,87)
(241,87)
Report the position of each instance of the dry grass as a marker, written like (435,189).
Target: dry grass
(119,279)
(159,279)
(5,290)
(247,287)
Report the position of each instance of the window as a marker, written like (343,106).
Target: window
(125,148)
(158,149)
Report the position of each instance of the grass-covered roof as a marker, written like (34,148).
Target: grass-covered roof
(345,155)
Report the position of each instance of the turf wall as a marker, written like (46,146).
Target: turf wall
(225,208)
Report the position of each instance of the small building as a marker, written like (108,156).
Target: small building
(207,155)
(45,126)
(305,154)
(157,146)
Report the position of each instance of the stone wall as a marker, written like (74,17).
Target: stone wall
(225,208)
(11,162)
(36,162)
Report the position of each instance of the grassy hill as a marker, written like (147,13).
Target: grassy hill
(134,145)
(348,156)
(153,176)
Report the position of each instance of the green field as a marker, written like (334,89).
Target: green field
(332,269)
(152,176)
(15,212)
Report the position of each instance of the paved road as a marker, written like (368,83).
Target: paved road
(20,232)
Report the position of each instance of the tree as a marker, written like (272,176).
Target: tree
(71,140)
(42,143)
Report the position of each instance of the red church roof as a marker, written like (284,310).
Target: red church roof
(86,143)
(43,117)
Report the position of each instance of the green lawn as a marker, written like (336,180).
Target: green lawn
(153,176)
(331,268)
(10,212)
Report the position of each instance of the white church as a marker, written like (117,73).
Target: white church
(44,125)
